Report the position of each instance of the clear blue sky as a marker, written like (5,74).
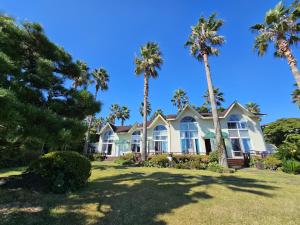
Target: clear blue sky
(108,33)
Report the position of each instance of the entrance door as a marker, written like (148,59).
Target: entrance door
(207,146)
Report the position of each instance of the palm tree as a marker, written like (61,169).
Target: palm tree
(101,79)
(280,26)
(219,97)
(253,107)
(156,113)
(149,109)
(296,97)
(179,99)
(114,113)
(84,78)
(203,42)
(147,63)
(123,114)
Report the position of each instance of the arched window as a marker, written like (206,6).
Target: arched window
(239,135)
(189,135)
(136,141)
(107,142)
(160,139)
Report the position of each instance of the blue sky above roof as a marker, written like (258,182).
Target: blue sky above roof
(108,34)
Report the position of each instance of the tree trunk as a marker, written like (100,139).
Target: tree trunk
(87,135)
(122,122)
(285,49)
(216,122)
(144,140)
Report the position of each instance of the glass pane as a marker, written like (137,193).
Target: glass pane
(184,126)
(243,125)
(246,144)
(233,133)
(236,145)
(192,126)
(244,133)
(232,125)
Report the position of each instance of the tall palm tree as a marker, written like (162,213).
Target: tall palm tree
(179,99)
(84,78)
(219,97)
(147,63)
(296,97)
(203,42)
(124,114)
(156,113)
(114,113)
(280,26)
(149,109)
(253,107)
(101,79)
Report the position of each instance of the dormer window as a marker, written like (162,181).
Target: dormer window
(107,142)
(136,141)
(239,135)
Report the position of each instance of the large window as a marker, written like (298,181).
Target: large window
(189,135)
(107,142)
(239,135)
(136,141)
(160,139)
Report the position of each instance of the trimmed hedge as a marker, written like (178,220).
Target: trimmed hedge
(62,170)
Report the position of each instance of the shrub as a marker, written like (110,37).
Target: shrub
(256,161)
(214,156)
(62,170)
(271,162)
(215,167)
(99,156)
(290,149)
(126,159)
(123,162)
(291,166)
(158,161)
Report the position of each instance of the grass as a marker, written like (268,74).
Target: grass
(117,195)
(11,171)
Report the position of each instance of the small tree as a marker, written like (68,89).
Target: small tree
(179,99)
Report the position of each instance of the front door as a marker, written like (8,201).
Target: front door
(207,146)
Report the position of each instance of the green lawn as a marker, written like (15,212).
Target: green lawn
(136,196)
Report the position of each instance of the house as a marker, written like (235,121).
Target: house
(188,132)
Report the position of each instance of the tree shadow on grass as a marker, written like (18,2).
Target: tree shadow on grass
(133,198)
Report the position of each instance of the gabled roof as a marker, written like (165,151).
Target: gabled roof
(224,114)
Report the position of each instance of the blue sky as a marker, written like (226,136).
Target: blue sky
(108,33)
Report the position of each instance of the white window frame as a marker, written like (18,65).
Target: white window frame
(136,139)
(108,140)
(240,138)
(190,136)
(159,134)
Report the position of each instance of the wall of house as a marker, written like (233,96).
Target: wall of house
(204,126)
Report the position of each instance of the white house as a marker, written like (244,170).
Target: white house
(188,132)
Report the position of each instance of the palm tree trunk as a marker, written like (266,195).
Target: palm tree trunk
(285,49)
(87,135)
(122,122)
(216,122)
(144,140)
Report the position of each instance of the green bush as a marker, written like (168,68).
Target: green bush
(256,161)
(215,167)
(99,157)
(62,170)
(123,162)
(126,159)
(158,161)
(214,156)
(271,162)
(17,157)
(291,166)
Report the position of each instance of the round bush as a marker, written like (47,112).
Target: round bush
(63,170)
